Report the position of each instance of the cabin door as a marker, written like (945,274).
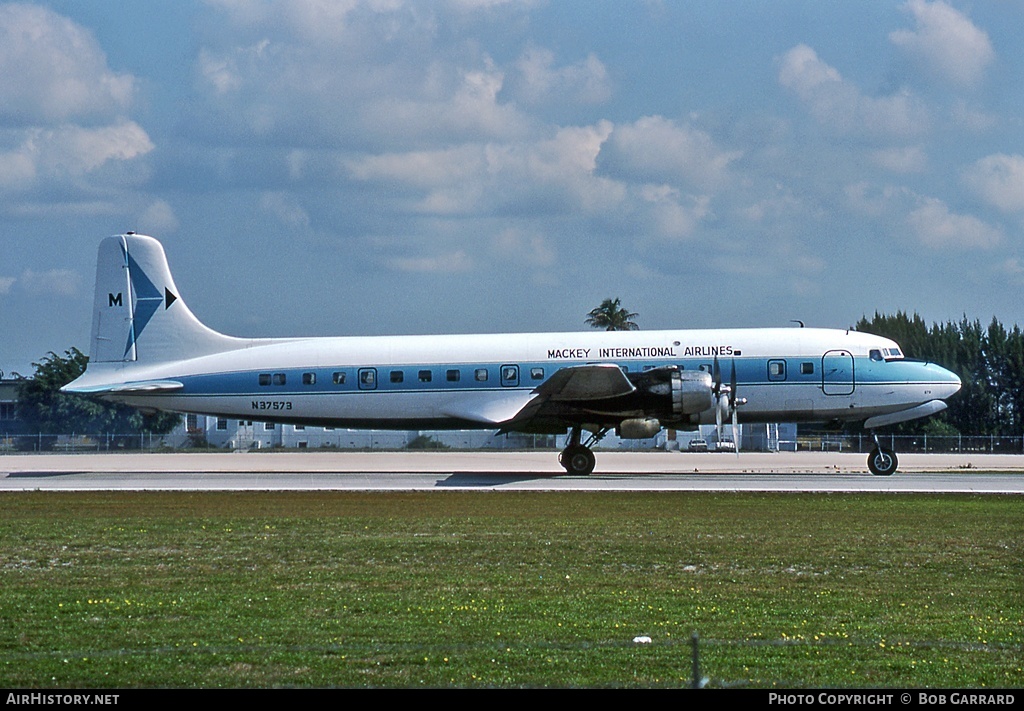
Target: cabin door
(837,376)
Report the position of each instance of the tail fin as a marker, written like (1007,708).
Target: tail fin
(137,314)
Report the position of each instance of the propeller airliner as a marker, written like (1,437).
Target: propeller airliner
(149,351)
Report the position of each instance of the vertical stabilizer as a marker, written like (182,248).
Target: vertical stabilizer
(137,314)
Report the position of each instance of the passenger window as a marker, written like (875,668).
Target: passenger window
(510,376)
(425,376)
(776,370)
(536,373)
(280,379)
(309,378)
(453,376)
(481,375)
(339,378)
(397,376)
(367,378)
(264,378)
(807,369)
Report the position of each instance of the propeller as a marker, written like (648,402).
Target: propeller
(726,400)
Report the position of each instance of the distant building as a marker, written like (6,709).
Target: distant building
(9,420)
(230,433)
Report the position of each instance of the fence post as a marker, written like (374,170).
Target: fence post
(697,682)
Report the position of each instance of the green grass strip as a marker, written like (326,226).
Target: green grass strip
(471,589)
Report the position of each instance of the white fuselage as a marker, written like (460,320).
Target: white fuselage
(481,381)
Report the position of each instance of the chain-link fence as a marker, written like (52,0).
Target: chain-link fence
(921,444)
(472,440)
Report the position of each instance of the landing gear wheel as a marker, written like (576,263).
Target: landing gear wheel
(577,459)
(882,461)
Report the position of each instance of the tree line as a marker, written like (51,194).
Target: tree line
(47,410)
(989,361)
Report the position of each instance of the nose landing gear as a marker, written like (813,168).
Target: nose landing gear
(882,461)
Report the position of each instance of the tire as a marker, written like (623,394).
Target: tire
(882,461)
(577,460)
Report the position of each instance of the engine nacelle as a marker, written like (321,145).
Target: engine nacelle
(673,394)
(694,392)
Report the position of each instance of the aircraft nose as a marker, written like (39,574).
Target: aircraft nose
(950,380)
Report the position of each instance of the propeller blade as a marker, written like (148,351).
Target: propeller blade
(718,420)
(735,432)
(732,388)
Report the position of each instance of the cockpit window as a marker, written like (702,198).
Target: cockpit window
(886,354)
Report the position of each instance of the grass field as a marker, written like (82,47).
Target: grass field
(489,589)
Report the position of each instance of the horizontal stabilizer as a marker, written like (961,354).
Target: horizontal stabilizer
(143,386)
(586,382)
(929,408)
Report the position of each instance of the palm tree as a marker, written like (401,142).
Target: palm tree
(611,316)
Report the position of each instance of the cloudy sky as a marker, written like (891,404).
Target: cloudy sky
(341,167)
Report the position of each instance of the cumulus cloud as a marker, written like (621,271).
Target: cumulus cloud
(158,218)
(946,42)
(424,169)
(999,180)
(669,217)
(54,70)
(934,226)
(63,120)
(867,199)
(556,172)
(339,74)
(76,150)
(466,107)
(841,106)
(537,80)
(657,149)
(285,208)
(68,151)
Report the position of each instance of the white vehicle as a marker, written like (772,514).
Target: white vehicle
(149,351)
(697,445)
(725,445)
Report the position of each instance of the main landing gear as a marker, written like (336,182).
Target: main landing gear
(882,461)
(577,458)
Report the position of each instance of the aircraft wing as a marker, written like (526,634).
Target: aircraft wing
(580,384)
(586,382)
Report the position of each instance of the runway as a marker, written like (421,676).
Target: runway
(503,470)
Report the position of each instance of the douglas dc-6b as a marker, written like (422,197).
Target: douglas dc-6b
(149,351)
